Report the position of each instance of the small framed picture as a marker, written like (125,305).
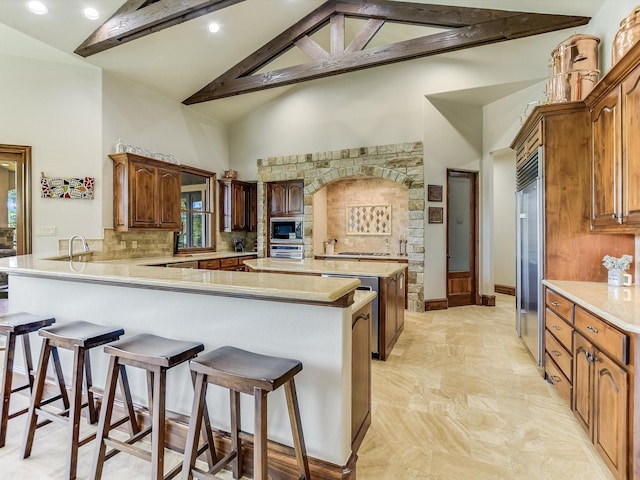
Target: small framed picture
(434,193)
(435,215)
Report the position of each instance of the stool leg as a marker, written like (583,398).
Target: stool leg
(157,424)
(296,429)
(59,375)
(197,409)
(91,404)
(36,398)
(104,424)
(234,401)
(260,435)
(28,359)
(75,410)
(7,382)
(128,403)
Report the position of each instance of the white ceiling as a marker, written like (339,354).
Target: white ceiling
(180,60)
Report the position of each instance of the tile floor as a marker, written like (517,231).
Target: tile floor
(459,399)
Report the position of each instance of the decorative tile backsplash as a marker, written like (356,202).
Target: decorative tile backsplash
(368,219)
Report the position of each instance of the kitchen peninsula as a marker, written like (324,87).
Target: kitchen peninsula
(386,278)
(309,318)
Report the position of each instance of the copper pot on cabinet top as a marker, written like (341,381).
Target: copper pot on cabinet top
(627,36)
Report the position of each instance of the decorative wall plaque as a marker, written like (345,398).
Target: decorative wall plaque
(368,220)
(435,215)
(434,193)
(65,187)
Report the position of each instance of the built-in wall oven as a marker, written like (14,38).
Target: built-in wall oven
(369,283)
(286,251)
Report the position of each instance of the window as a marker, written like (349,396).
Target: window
(197,209)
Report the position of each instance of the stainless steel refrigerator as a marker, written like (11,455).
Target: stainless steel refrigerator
(529,253)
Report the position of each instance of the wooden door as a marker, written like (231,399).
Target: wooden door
(462,238)
(606,166)
(583,382)
(630,108)
(143,199)
(19,158)
(169,184)
(277,199)
(610,414)
(295,198)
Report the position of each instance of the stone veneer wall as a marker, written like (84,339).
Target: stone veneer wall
(401,163)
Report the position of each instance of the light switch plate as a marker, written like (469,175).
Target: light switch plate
(46,231)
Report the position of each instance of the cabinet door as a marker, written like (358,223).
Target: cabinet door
(583,382)
(252,207)
(606,166)
(630,108)
(169,184)
(295,198)
(277,199)
(238,206)
(610,414)
(360,374)
(143,199)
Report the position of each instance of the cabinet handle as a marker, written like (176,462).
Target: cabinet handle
(591,329)
(556,328)
(590,358)
(554,378)
(555,304)
(555,353)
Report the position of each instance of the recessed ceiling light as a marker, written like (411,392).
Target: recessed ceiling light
(38,8)
(90,13)
(214,27)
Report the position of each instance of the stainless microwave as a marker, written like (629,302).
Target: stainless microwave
(286,230)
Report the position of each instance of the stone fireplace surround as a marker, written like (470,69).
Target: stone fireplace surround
(402,163)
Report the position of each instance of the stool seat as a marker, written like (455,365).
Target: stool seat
(13,325)
(156,355)
(251,373)
(80,334)
(232,367)
(22,322)
(79,337)
(154,350)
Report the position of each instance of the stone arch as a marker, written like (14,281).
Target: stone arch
(400,163)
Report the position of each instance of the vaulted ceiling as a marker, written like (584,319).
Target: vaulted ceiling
(270,43)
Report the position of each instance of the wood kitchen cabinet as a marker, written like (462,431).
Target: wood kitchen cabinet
(285,199)
(558,334)
(615,123)
(392,305)
(238,206)
(563,133)
(146,194)
(226,263)
(601,392)
(360,375)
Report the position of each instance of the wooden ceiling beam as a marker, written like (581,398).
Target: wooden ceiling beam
(498,30)
(365,35)
(138,18)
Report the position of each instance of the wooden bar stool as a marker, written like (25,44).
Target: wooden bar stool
(80,337)
(15,325)
(254,374)
(156,355)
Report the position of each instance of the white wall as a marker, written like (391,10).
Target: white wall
(55,107)
(504,217)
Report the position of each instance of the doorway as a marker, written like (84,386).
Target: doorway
(462,238)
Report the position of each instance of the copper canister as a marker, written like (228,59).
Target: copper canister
(578,52)
(571,86)
(627,35)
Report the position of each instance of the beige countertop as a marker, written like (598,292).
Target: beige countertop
(134,273)
(335,267)
(180,258)
(618,305)
(361,298)
(343,256)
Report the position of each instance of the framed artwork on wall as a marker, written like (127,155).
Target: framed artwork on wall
(435,215)
(434,193)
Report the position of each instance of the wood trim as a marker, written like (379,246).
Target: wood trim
(436,304)
(504,289)
(488,300)
(22,156)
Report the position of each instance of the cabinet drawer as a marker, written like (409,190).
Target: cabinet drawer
(559,328)
(562,358)
(602,335)
(228,262)
(557,378)
(559,304)
(209,264)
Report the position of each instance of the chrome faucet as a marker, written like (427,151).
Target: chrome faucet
(85,245)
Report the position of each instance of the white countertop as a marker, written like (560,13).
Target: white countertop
(334,267)
(618,305)
(215,282)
